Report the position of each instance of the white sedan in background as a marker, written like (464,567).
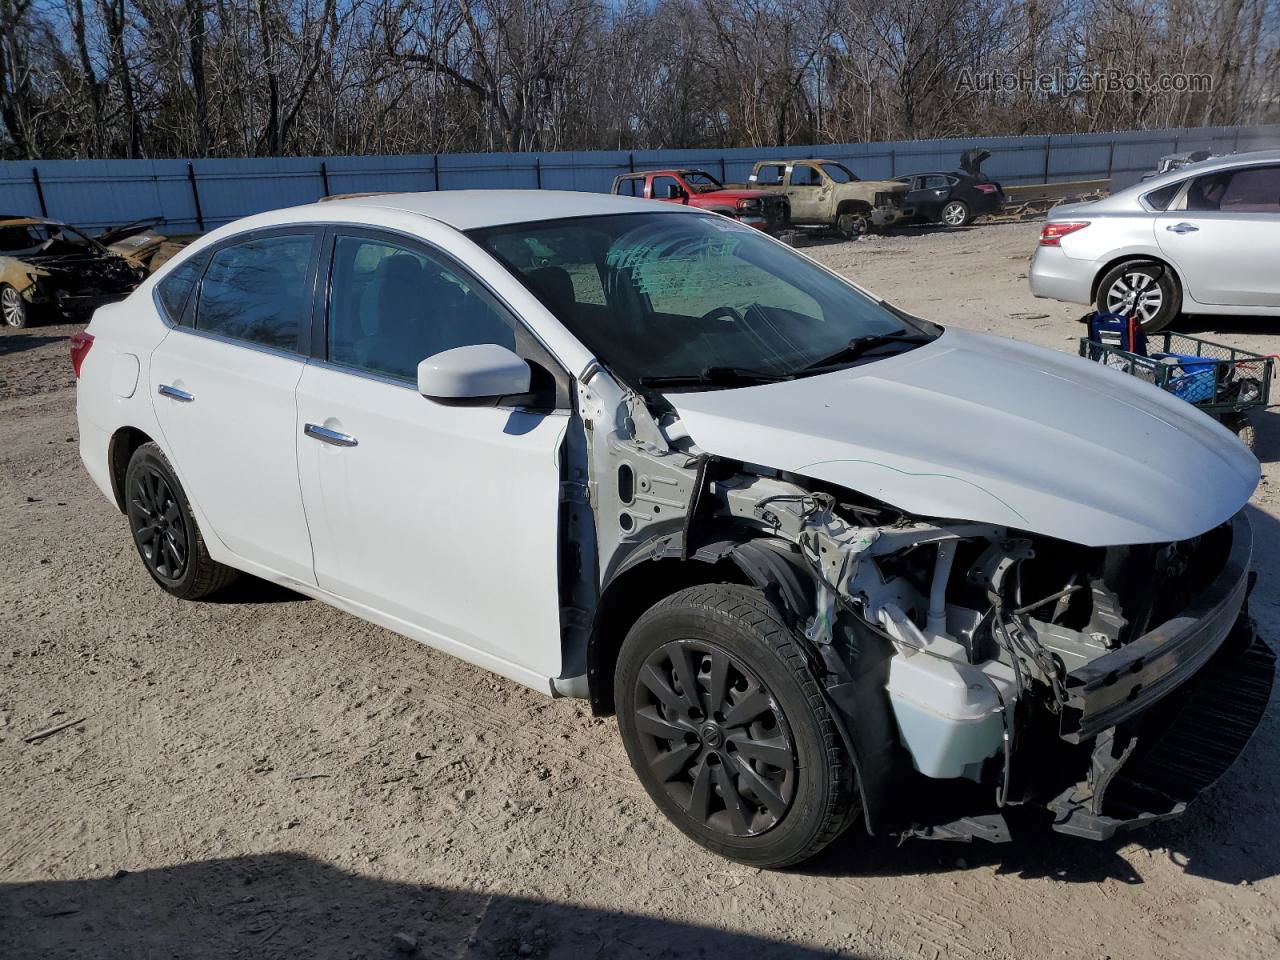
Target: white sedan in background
(820,557)
(1202,239)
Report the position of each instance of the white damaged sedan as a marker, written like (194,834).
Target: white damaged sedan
(825,561)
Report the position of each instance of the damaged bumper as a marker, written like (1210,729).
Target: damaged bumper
(1151,770)
(1122,684)
(1169,713)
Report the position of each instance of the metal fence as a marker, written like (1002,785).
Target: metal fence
(198,195)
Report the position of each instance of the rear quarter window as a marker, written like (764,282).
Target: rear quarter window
(174,290)
(1160,199)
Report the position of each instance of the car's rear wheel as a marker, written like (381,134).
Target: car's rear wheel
(15,311)
(1142,288)
(956,214)
(728,730)
(165,532)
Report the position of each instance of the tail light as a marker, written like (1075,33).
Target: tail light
(1052,233)
(80,344)
(986,188)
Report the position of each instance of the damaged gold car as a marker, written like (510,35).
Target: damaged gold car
(54,269)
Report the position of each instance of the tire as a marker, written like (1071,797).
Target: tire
(851,226)
(1243,427)
(164,531)
(14,310)
(768,737)
(956,214)
(1159,296)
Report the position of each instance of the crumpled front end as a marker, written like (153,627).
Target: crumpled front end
(74,287)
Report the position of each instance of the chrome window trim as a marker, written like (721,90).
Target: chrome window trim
(234,342)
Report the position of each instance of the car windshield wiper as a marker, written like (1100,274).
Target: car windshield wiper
(858,346)
(715,377)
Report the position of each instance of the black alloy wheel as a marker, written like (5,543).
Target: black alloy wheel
(728,730)
(164,530)
(715,738)
(158,525)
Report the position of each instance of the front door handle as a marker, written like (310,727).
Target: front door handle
(173,393)
(325,435)
(1183,228)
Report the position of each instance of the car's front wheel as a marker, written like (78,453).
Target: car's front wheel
(165,532)
(1144,289)
(728,730)
(13,309)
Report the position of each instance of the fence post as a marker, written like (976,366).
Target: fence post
(1111,157)
(1048,141)
(723,175)
(195,195)
(435,168)
(631,158)
(537,170)
(324,176)
(35,178)
(893,163)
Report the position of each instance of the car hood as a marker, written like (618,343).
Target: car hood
(980,428)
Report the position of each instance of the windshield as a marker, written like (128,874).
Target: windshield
(700,182)
(839,172)
(657,296)
(17,239)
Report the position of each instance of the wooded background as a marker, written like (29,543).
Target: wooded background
(236,78)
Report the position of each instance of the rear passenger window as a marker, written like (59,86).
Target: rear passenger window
(174,290)
(256,291)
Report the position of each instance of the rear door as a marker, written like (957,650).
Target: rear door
(222,384)
(1224,241)
(442,518)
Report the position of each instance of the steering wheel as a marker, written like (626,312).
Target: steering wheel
(729,313)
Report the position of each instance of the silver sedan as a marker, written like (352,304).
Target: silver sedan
(1201,239)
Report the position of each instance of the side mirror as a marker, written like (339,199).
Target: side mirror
(674,191)
(475,374)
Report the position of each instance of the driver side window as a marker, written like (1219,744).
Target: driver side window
(392,306)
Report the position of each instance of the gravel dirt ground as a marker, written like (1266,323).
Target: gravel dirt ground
(264,776)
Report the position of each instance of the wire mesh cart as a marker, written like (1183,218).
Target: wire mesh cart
(1225,382)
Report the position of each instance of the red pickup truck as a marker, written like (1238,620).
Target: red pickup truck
(697,188)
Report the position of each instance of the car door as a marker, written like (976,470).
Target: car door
(1224,238)
(929,193)
(809,194)
(443,519)
(222,384)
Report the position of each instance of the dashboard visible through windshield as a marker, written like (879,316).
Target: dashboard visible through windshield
(697,302)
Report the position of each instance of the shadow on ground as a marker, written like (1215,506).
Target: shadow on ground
(12,343)
(291,906)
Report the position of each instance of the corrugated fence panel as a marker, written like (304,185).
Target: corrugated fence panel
(205,193)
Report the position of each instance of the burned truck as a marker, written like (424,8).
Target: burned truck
(52,268)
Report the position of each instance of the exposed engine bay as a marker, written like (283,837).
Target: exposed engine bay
(1017,667)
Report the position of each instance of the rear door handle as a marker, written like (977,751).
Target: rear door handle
(173,393)
(325,435)
(1183,228)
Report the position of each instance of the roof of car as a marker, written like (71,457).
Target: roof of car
(472,209)
(1213,164)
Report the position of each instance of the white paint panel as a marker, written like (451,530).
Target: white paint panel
(444,517)
(981,428)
